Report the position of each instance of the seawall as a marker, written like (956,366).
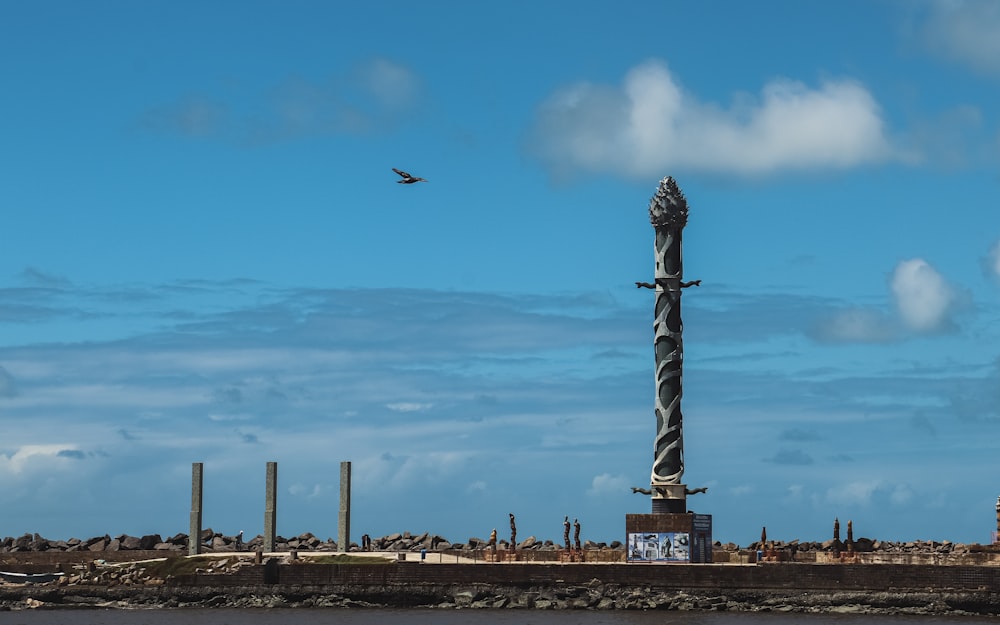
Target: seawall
(847,588)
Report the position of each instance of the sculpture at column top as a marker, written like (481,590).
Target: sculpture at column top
(668,207)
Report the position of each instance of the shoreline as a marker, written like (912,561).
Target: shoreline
(181,583)
(884,579)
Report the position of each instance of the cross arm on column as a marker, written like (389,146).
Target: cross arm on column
(683,285)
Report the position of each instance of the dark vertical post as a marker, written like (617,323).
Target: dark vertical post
(344,518)
(996,536)
(270,505)
(668,213)
(194,531)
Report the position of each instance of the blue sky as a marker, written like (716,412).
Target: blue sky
(205,257)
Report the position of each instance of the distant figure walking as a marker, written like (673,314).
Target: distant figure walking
(239,541)
(513,532)
(576,533)
(566,532)
(366,542)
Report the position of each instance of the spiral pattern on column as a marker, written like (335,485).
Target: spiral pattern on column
(668,212)
(668,463)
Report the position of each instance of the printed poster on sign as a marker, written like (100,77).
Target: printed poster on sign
(659,547)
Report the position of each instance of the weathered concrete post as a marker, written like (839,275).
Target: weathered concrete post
(344,518)
(194,532)
(668,213)
(270,506)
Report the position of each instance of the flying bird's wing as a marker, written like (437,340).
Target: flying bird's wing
(402,173)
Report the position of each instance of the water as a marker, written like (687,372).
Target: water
(356,616)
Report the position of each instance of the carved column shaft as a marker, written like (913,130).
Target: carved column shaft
(668,214)
(668,344)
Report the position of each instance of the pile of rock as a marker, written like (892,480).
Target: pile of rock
(151,542)
(213,542)
(864,545)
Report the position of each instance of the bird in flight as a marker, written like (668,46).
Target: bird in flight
(407,178)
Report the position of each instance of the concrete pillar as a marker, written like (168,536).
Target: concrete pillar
(344,519)
(194,532)
(270,506)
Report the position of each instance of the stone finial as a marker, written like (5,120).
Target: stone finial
(668,208)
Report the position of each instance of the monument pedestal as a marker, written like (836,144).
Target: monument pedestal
(682,538)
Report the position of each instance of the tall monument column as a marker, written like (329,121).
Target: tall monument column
(670,533)
(668,213)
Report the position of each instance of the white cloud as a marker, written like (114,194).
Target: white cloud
(853,493)
(409,406)
(856,325)
(966,31)
(901,494)
(607,484)
(370,98)
(392,85)
(923,297)
(31,456)
(651,124)
(302,490)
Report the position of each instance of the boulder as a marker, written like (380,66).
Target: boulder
(527,543)
(132,543)
(149,541)
(864,545)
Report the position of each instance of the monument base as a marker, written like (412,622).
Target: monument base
(666,537)
(669,498)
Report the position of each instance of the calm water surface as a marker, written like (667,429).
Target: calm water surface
(341,616)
